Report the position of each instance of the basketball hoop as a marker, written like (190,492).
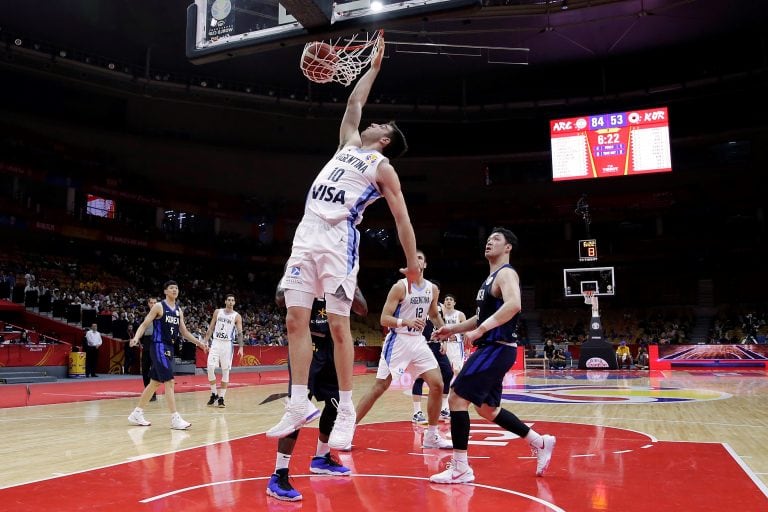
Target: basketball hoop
(590,298)
(340,60)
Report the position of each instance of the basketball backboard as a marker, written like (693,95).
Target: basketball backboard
(597,279)
(220,29)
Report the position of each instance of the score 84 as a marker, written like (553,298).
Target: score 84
(607,121)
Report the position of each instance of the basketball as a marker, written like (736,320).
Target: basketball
(318,62)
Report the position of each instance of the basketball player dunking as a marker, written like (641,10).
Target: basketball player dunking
(324,259)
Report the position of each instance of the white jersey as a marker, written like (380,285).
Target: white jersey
(225,328)
(452,319)
(415,304)
(345,186)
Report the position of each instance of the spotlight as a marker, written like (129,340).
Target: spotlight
(18,42)
(247,89)
(111,66)
(62,53)
(204,83)
(564,5)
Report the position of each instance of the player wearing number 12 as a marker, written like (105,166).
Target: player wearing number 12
(405,313)
(324,258)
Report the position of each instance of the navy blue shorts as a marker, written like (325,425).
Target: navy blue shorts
(481,378)
(323,383)
(162,367)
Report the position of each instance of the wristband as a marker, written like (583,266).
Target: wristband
(490,323)
(399,322)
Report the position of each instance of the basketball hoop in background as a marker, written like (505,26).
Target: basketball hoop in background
(339,60)
(590,298)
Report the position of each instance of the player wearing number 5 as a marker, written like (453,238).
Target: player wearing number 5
(168,326)
(324,259)
(405,349)
(226,326)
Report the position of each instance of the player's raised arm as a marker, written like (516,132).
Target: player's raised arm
(350,123)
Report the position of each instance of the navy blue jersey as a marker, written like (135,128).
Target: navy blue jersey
(429,327)
(166,328)
(487,305)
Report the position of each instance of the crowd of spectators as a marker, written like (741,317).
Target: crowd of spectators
(117,285)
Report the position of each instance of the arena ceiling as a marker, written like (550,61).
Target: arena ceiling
(576,47)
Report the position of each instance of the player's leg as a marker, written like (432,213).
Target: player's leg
(137,415)
(279,486)
(300,410)
(323,463)
(338,307)
(380,385)
(432,437)
(146,362)
(447,373)
(416,393)
(211,364)
(225,361)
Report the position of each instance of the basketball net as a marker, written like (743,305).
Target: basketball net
(350,56)
(590,298)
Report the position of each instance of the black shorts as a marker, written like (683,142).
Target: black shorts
(480,381)
(323,383)
(162,367)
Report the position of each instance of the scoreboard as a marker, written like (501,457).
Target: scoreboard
(606,145)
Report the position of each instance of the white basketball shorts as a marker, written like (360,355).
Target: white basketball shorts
(323,259)
(405,352)
(220,354)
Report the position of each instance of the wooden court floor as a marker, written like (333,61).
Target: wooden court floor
(677,441)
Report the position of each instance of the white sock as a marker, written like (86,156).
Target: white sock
(322,449)
(282,461)
(213,388)
(138,410)
(299,393)
(222,392)
(431,429)
(460,457)
(534,439)
(345,398)
(416,407)
(445,403)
